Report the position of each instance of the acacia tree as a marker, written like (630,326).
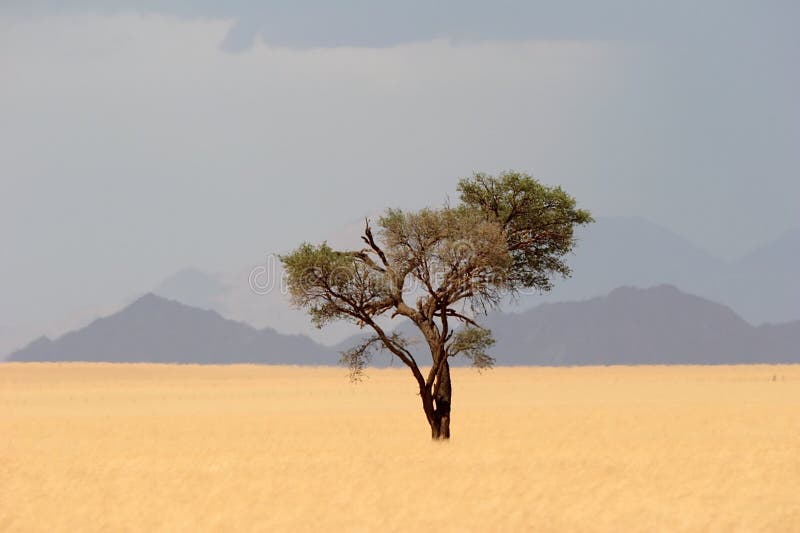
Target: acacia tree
(440,269)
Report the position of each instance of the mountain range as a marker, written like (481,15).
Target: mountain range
(658,325)
(762,286)
(156,330)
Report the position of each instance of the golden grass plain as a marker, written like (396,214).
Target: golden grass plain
(101,447)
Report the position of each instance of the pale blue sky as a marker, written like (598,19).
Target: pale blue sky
(140,138)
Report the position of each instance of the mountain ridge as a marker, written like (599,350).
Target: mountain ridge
(629,325)
(155,329)
(760,286)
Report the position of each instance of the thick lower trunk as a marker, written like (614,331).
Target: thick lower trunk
(440,425)
(442,395)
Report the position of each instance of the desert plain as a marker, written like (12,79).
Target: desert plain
(113,447)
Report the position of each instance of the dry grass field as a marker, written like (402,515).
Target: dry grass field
(246,448)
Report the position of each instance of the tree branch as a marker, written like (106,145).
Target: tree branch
(463,318)
(370,240)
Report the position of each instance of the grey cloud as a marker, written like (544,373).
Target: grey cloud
(321,23)
(692,121)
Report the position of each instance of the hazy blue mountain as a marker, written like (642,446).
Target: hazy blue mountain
(631,251)
(231,295)
(659,325)
(194,287)
(764,285)
(781,338)
(154,329)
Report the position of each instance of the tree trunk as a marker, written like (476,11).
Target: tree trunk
(442,395)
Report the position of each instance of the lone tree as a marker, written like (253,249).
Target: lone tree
(452,264)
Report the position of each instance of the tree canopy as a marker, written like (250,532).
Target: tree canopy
(441,269)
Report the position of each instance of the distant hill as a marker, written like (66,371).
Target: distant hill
(232,297)
(630,251)
(764,285)
(154,329)
(613,252)
(193,287)
(761,287)
(658,325)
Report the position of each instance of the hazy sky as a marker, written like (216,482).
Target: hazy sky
(141,138)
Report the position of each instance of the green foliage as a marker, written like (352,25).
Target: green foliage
(539,222)
(358,357)
(332,284)
(472,343)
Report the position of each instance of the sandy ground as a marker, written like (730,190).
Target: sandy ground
(245,448)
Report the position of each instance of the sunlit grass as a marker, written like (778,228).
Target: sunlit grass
(186,448)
